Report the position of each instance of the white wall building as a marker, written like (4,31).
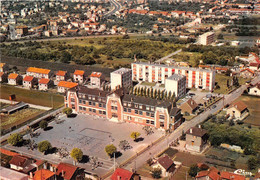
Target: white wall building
(206,38)
(177,84)
(121,78)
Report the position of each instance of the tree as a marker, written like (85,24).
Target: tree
(135,135)
(252,163)
(44,146)
(124,145)
(67,111)
(156,173)
(194,169)
(76,154)
(148,130)
(110,149)
(43,124)
(15,139)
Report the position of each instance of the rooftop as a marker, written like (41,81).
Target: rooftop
(196,131)
(43,174)
(11,174)
(28,78)
(121,71)
(67,169)
(44,81)
(121,174)
(38,70)
(67,84)
(79,72)
(96,74)
(61,73)
(176,77)
(13,76)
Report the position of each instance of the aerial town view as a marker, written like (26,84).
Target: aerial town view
(130,89)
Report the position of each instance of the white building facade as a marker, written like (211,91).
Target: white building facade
(176,84)
(121,78)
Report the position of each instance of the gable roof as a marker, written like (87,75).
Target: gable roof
(38,70)
(8,153)
(212,173)
(167,163)
(79,72)
(231,176)
(28,78)
(43,174)
(67,84)
(190,103)
(68,170)
(196,131)
(61,73)
(13,76)
(121,174)
(18,160)
(44,81)
(239,105)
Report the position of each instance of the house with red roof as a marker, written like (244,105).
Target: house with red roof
(44,174)
(29,82)
(3,77)
(68,172)
(224,175)
(15,79)
(247,73)
(96,78)
(238,110)
(3,67)
(63,86)
(79,76)
(122,174)
(45,84)
(254,66)
(19,162)
(39,72)
(166,164)
(61,76)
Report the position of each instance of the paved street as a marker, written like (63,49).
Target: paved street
(166,57)
(116,7)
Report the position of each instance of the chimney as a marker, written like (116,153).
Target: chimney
(190,130)
(31,175)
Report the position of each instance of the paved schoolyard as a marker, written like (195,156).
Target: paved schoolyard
(91,134)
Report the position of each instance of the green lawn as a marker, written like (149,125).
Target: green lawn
(32,96)
(148,83)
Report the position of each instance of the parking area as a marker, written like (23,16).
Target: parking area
(91,134)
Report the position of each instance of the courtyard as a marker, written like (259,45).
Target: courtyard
(91,134)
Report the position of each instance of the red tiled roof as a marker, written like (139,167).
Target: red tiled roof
(43,174)
(79,72)
(67,84)
(231,176)
(18,160)
(61,73)
(1,74)
(239,105)
(67,169)
(28,78)
(38,70)
(44,81)
(249,70)
(212,173)
(2,65)
(254,64)
(167,163)
(12,76)
(95,74)
(8,153)
(121,174)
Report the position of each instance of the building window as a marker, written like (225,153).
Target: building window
(152,122)
(114,115)
(162,124)
(161,117)
(72,99)
(84,109)
(129,110)
(94,110)
(84,102)
(147,108)
(148,114)
(100,112)
(80,108)
(90,103)
(94,104)
(152,114)
(73,106)
(80,101)
(136,105)
(129,104)
(89,97)
(125,104)
(90,109)
(99,105)
(152,108)
(113,107)
(147,121)
(125,110)
(136,111)
(140,107)
(104,112)
(141,112)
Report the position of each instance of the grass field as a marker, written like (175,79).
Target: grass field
(7,121)
(31,96)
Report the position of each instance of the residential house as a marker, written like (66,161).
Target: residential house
(224,175)
(123,174)
(96,79)
(14,79)
(189,107)
(63,86)
(10,174)
(61,76)
(211,174)
(39,72)
(255,90)
(20,162)
(254,66)
(79,76)
(166,164)
(238,110)
(196,139)
(45,84)
(29,82)
(44,174)
(68,172)
(3,77)
(3,67)
(21,30)
(247,73)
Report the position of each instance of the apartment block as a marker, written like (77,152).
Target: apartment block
(195,77)
(206,38)
(176,84)
(121,78)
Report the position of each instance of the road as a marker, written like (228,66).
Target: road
(154,150)
(116,7)
(166,57)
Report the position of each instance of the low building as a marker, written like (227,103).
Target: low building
(29,82)
(21,30)
(189,107)
(238,110)
(166,165)
(44,174)
(206,38)
(39,72)
(14,108)
(15,79)
(9,174)
(3,67)
(19,162)
(44,84)
(121,173)
(254,66)
(247,73)
(255,90)
(121,78)
(61,76)
(3,77)
(196,139)
(69,172)
(96,79)
(63,86)
(211,174)
(79,76)
(176,84)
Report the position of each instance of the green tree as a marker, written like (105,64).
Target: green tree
(44,146)
(43,124)
(15,139)
(67,111)
(252,163)
(76,154)
(135,135)
(156,173)
(194,169)
(110,149)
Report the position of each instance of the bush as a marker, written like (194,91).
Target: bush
(110,149)
(76,154)
(156,173)
(44,146)
(43,124)
(67,111)
(15,139)
(194,169)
